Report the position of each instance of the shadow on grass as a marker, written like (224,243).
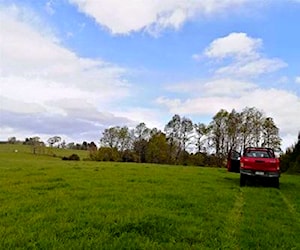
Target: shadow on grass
(260,182)
(253,181)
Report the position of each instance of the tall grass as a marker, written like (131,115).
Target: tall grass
(47,203)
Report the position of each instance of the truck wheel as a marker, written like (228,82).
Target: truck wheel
(242,180)
(276,182)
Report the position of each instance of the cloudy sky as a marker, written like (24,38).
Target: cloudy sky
(74,67)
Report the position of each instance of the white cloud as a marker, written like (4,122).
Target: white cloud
(123,17)
(213,87)
(244,55)
(197,106)
(297,79)
(49,7)
(151,117)
(41,80)
(252,68)
(283,80)
(236,45)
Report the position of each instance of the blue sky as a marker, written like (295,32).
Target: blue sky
(74,67)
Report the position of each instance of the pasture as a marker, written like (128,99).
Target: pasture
(47,203)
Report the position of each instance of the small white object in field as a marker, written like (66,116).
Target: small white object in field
(16,150)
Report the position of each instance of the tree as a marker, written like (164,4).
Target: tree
(179,132)
(270,134)
(37,146)
(251,130)
(201,131)
(110,137)
(218,129)
(12,140)
(290,161)
(233,130)
(186,134)
(158,149)
(92,146)
(186,131)
(84,146)
(141,138)
(119,138)
(172,135)
(63,144)
(105,154)
(53,140)
(125,139)
(71,145)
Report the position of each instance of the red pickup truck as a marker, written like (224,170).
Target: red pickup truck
(255,163)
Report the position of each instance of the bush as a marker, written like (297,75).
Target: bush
(105,154)
(72,157)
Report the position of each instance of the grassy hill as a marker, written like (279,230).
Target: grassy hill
(27,151)
(47,203)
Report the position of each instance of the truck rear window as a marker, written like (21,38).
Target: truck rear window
(258,154)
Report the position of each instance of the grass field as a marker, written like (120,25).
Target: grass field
(47,203)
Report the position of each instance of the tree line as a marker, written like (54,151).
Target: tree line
(290,160)
(187,143)
(182,141)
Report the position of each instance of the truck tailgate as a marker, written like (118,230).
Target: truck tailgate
(262,164)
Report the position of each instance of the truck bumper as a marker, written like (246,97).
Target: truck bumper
(260,173)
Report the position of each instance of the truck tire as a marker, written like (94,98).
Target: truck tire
(276,182)
(242,180)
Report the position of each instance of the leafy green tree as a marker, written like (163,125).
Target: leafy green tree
(125,139)
(218,129)
(251,130)
(158,149)
(270,134)
(290,161)
(110,137)
(179,132)
(105,154)
(233,130)
(119,138)
(172,130)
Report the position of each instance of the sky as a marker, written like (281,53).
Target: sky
(73,68)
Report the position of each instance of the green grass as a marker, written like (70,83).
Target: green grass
(47,203)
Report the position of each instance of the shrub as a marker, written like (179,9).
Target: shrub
(72,157)
(105,154)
